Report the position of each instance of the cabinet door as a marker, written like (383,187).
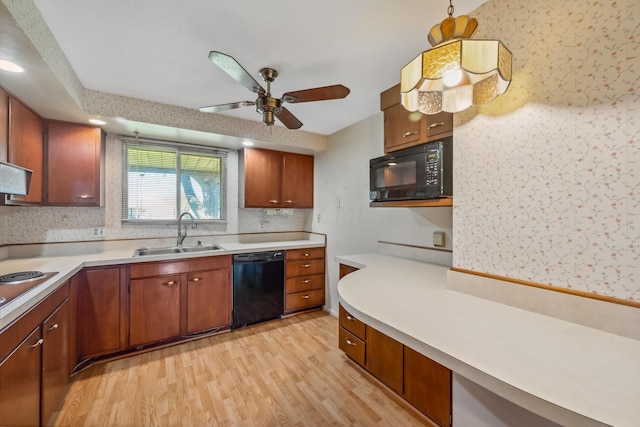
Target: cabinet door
(25,149)
(298,181)
(384,358)
(154,311)
(55,359)
(427,385)
(262,178)
(208,300)
(20,383)
(401,128)
(99,315)
(73,164)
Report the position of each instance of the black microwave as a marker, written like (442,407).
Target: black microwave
(416,173)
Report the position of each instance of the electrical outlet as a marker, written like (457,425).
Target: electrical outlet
(98,232)
(438,239)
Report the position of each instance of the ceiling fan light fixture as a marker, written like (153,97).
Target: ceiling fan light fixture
(457,72)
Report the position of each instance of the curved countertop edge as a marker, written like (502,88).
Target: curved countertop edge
(381,270)
(68,266)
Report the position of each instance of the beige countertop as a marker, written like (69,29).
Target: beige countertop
(69,258)
(571,374)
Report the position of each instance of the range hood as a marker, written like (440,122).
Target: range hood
(14,179)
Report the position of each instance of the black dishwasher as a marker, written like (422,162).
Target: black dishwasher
(258,287)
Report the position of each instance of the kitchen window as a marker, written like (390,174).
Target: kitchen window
(161,181)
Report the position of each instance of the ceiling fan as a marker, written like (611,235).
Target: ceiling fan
(266,105)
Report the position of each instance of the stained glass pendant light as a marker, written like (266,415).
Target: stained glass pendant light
(457,72)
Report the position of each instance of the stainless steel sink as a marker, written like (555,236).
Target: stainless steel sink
(177,250)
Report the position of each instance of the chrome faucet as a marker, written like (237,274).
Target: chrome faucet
(182,230)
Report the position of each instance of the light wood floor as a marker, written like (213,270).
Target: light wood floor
(288,372)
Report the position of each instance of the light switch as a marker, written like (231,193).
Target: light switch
(438,239)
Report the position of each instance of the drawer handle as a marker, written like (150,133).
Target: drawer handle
(52,327)
(306,296)
(306,265)
(434,125)
(351,343)
(351,318)
(306,281)
(37,343)
(170,283)
(306,254)
(196,279)
(84,196)
(408,134)
(288,201)
(274,201)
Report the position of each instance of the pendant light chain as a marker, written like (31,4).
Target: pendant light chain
(450,9)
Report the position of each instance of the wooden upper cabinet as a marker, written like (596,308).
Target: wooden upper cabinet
(262,178)
(275,179)
(74,173)
(298,181)
(25,149)
(404,129)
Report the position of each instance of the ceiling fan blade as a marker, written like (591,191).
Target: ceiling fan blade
(317,94)
(225,107)
(288,119)
(230,66)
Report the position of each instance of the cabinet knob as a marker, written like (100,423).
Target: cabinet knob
(305,281)
(288,201)
(37,343)
(351,343)
(306,265)
(433,125)
(170,283)
(196,279)
(306,296)
(351,318)
(306,254)
(84,196)
(408,134)
(52,327)
(274,201)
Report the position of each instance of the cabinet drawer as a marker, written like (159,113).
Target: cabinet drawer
(307,253)
(352,346)
(161,268)
(304,283)
(301,300)
(351,324)
(304,268)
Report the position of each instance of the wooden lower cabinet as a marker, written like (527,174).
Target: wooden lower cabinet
(421,381)
(55,360)
(34,362)
(20,383)
(304,279)
(178,298)
(384,358)
(98,301)
(154,309)
(427,385)
(208,300)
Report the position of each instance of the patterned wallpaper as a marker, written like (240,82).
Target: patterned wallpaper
(62,224)
(547,180)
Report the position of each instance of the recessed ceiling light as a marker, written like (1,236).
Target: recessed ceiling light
(10,66)
(247,143)
(97,122)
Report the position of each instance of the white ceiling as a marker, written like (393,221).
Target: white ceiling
(156,50)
